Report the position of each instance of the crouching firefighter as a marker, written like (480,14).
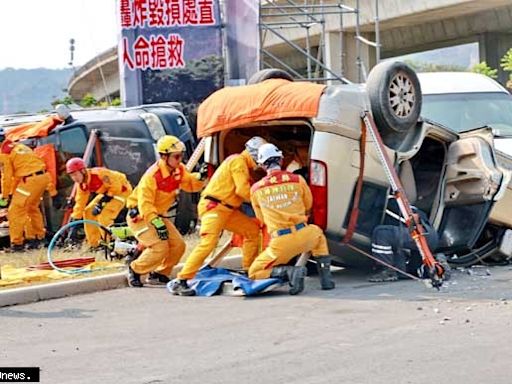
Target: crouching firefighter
(148,205)
(281,201)
(394,245)
(112,188)
(218,209)
(24,181)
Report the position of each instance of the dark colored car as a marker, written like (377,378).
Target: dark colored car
(126,143)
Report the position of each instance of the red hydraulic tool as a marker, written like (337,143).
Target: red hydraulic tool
(412,221)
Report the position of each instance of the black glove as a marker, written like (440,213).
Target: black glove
(133,212)
(70,203)
(58,201)
(100,205)
(106,198)
(96,210)
(161,229)
(203,171)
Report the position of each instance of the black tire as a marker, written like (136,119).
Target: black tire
(395,98)
(186,216)
(270,73)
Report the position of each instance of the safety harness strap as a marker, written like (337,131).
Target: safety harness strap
(359,187)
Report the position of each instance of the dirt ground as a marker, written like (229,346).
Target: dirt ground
(35,257)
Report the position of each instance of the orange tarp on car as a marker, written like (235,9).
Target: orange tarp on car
(47,153)
(272,99)
(30,130)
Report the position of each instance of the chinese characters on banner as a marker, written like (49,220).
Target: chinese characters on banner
(161,50)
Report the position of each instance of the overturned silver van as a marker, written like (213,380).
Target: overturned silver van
(454,178)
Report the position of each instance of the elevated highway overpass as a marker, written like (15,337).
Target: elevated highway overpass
(405,26)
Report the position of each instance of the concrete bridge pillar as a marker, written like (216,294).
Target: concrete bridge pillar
(341,55)
(493,45)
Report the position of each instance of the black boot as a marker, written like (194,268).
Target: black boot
(155,278)
(14,248)
(293,275)
(33,244)
(134,279)
(323,265)
(181,288)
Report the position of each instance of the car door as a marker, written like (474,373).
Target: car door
(473,181)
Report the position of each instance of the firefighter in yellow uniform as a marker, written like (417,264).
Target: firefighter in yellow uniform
(218,210)
(281,200)
(24,180)
(35,230)
(148,204)
(112,188)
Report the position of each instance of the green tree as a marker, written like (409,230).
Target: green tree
(484,69)
(116,102)
(88,101)
(421,66)
(66,100)
(506,64)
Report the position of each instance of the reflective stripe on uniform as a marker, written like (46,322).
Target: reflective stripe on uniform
(119,198)
(385,247)
(141,231)
(23,192)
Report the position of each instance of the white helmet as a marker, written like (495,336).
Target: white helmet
(253,144)
(268,151)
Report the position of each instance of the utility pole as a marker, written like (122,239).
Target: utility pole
(71,52)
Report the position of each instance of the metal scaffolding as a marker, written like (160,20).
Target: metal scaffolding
(279,15)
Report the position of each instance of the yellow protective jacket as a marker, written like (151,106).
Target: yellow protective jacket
(231,182)
(18,161)
(158,187)
(281,200)
(100,181)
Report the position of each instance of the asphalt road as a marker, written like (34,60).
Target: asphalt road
(359,333)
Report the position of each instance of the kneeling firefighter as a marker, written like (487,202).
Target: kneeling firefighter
(218,210)
(281,201)
(112,188)
(148,205)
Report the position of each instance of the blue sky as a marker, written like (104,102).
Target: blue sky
(36,33)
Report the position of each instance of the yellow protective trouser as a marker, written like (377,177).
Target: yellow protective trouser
(213,222)
(282,249)
(25,202)
(160,256)
(35,225)
(93,233)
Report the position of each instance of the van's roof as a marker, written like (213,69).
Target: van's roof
(433,83)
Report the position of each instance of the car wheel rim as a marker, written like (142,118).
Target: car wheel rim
(401,95)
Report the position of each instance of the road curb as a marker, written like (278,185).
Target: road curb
(61,289)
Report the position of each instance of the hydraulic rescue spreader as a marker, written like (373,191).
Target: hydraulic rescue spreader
(434,269)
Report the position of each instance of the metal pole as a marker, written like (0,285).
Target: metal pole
(358,44)
(224,37)
(321,45)
(308,50)
(377,32)
(342,46)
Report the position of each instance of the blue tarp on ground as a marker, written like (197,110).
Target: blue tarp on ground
(208,282)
